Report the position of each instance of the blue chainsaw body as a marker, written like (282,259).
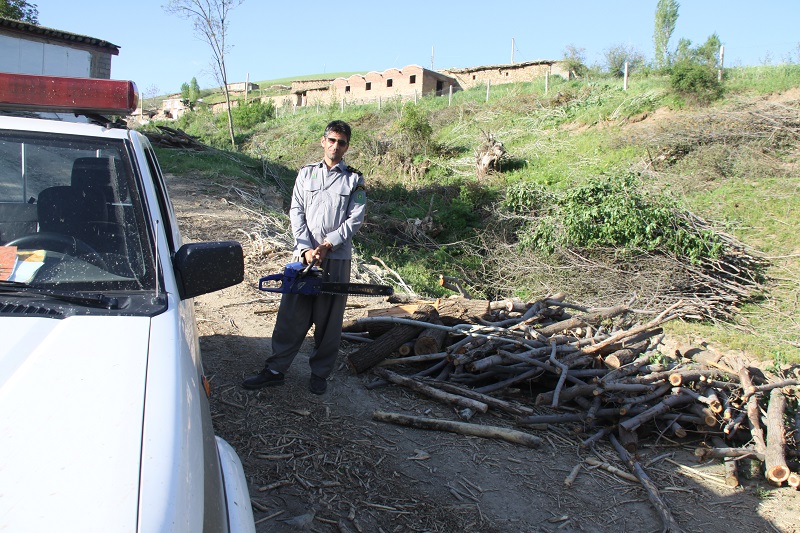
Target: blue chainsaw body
(296,278)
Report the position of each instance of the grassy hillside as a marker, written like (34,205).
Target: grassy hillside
(604,194)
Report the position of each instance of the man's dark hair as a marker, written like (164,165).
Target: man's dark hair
(338,126)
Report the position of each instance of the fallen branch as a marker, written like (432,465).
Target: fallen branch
(463,428)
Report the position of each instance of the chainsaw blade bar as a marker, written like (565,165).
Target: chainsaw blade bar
(362,289)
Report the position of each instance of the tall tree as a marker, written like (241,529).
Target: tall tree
(210,20)
(666,17)
(19,10)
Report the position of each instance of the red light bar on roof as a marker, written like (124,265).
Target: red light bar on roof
(71,95)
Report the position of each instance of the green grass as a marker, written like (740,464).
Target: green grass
(558,140)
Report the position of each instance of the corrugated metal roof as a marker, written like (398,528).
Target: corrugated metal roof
(18,26)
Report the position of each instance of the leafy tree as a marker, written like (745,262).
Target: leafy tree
(684,51)
(694,71)
(575,58)
(210,20)
(666,17)
(19,10)
(708,53)
(190,92)
(185,92)
(618,55)
(194,90)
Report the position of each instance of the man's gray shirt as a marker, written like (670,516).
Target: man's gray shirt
(327,205)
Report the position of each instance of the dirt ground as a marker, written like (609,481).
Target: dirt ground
(321,463)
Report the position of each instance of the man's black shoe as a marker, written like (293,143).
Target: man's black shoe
(265,378)
(317,385)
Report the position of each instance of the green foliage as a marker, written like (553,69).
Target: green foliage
(608,212)
(19,10)
(528,198)
(666,17)
(696,82)
(247,115)
(575,60)
(414,125)
(618,55)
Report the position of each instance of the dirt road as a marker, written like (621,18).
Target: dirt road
(320,463)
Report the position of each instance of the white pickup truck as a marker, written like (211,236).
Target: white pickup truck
(104,415)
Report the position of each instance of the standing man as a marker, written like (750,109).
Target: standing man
(328,203)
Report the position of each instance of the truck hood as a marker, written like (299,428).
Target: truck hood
(71,398)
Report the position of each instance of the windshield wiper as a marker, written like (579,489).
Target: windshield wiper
(80,298)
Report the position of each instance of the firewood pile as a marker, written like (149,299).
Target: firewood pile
(608,370)
(174,138)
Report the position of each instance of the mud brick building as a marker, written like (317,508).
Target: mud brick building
(406,83)
(511,73)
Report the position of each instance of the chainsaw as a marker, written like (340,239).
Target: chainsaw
(298,278)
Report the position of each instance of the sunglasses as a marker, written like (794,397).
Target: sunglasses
(340,142)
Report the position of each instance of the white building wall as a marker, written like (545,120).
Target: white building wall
(31,57)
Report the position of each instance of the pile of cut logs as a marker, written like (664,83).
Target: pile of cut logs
(607,369)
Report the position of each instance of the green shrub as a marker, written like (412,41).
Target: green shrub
(615,212)
(695,82)
(247,115)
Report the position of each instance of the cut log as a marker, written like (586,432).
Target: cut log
(660,408)
(794,480)
(776,470)
(453,311)
(753,414)
(429,391)
(677,379)
(592,319)
(463,428)
(407,347)
(430,340)
(491,401)
(373,353)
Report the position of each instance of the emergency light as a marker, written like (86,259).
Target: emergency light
(71,95)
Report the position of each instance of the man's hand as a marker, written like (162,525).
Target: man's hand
(318,253)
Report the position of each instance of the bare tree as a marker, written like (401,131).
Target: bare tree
(210,19)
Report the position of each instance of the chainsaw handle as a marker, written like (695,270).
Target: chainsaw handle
(271,277)
(307,269)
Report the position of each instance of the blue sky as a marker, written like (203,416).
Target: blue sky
(279,39)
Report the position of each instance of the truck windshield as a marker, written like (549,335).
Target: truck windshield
(71,214)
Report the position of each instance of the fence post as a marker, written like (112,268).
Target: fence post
(546,82)
(488,86)
(450,96)
(342,104)
(721,59)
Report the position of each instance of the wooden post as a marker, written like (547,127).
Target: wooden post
(415,96)
(625,82)
(342,104)
(721,62)
(379,103)
(246,86)
(546,81)
(450,96)
(488,86)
